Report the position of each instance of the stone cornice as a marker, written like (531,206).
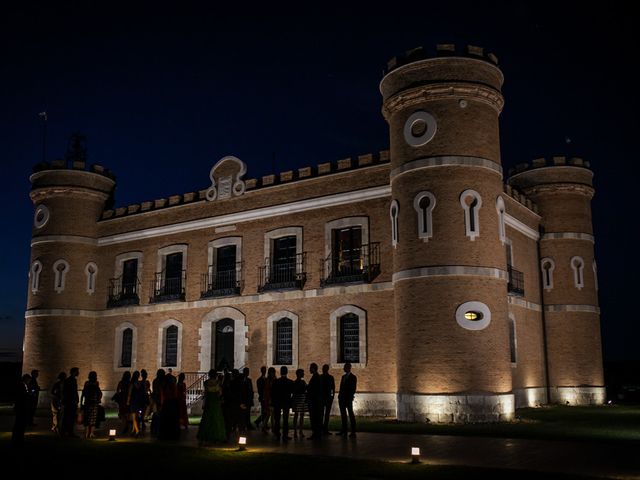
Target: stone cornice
(551,188)
(418,95)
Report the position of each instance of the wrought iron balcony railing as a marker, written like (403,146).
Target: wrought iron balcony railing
(221,282)
(167,289)
(123,293)
(286,275)
(515,285)
(353,266)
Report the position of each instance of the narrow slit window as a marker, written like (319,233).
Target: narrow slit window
(393,213)
(424,203)
(471,203)
(547,266)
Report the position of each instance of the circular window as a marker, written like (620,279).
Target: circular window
(419,129)
(41,217)
(473,315)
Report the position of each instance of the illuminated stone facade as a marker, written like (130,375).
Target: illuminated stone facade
(456,297)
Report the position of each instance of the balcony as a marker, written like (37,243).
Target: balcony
(336,268)
(123,293)
(221,283)
(168,289)
(515,285)
(284,275)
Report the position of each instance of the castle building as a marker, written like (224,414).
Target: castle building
(455,296)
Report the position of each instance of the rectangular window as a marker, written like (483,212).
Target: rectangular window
(283,259)
(347,251)
(512,340)
(225,267)
(284,343)
(349,339)
(171,346)
(173,274)
(130,277)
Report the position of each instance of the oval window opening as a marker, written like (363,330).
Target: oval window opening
(473,316)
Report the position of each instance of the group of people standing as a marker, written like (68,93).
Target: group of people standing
(228,400)
(164,401)
(64,404)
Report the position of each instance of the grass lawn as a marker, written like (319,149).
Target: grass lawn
(616,423)
(43,454)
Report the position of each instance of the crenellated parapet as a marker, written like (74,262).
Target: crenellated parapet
(440,50)
(464,75)
(520,197)
(78,166)
(253,184)
(549,162)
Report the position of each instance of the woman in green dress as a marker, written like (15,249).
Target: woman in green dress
(211,429)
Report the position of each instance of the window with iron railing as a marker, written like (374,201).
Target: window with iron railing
(350,260)
(224,277)
(125,289)
(285,269)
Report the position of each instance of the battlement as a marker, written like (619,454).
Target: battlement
(440,50)
(253,184)
(552,162)
(520,197)
(81,166)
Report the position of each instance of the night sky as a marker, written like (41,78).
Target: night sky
(163,93)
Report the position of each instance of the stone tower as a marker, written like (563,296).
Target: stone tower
(563,191)
(64,267)
(450,276)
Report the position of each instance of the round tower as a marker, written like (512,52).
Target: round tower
(450,277)
(66,277)
(563,191)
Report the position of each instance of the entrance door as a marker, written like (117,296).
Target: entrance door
(222,354)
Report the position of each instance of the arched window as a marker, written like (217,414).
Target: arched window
(126,351)
(577,264)
(169,352)
(60,269)
(349,339)
(424,203)
(124,357)
(547,266)
(502,229)
(393,213)
(91,271)
(471,203)
(595,274)
(36,270)
(348,336)
(170,347)
(283,342)
(513,346)
(282,339)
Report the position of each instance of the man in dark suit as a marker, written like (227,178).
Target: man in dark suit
(70,403)
(21,409)
(281,400)
(348,385)
(260,383)
(315,402)
(328,393)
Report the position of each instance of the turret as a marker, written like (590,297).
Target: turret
(450,277)
(563,188)
(64,274)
